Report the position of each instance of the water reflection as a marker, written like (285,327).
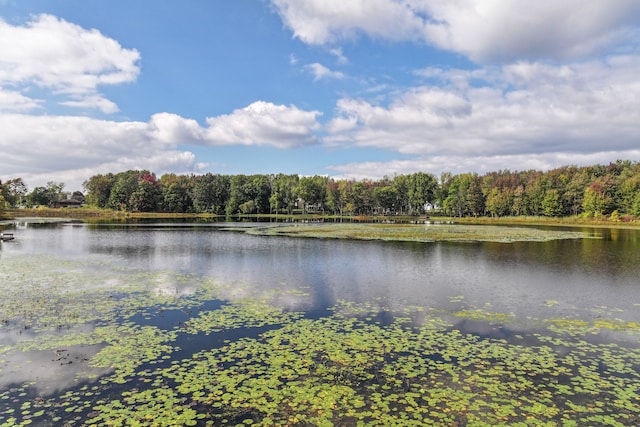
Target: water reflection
(518,277)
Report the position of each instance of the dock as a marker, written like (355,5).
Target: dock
(5,237)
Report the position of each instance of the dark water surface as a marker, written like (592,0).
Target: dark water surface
(578,279)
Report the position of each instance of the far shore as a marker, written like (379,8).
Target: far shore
(97,215)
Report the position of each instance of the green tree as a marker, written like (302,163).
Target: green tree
(361,197)
(147,195)
(14,192)
(3,203)
(385,197)
(283,195)
(476,200)
(176,193)
(244,188)
(39,196)
(402,185)
(499,203)
(457,201)
(98,189)
(551,205)
(598,197)
(422,188)
(211,193)
(635,207)
(313,192)
(125,183)
(45,196)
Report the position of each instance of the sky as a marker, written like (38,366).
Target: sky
(355,89)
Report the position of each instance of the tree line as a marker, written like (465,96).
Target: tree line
(590,191)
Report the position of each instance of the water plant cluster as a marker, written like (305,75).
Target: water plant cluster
(430,232)
(213,354)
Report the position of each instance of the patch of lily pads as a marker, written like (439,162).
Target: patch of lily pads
(348,368)
(416,232)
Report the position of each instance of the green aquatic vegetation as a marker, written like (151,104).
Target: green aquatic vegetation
(416,232)
(347,368)
(347,371)
(242,314)
(488,316)
(582,327)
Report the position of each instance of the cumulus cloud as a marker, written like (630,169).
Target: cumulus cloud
(485,31)
(264,123)
(517,109)
(320,72)
(505,30)
(71,149)
(37,147)
(51,53)
(328,21)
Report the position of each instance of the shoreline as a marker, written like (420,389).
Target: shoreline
(90,215)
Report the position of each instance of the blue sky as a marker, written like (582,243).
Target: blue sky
(345,88)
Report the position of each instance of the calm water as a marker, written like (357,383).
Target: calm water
(517,277)
(584,278)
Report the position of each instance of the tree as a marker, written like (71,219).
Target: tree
(125,183)
(3,203)
(442,192)
(457,201)
(211,193)
(98,189)
(401,185)
(422,187)
(39,196)
(313,191)
(147,195)
(499,202)
(13,192)
(475,198)
(244,188)
(283,192)
(598,197)
(385,197)
(551,205)
(362,197)
(176,193)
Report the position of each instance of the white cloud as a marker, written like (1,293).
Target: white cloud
(15,101)
(519,109)
(71,148)
(319,72)
(264,123)
(504,30)
(327,21)
(93,102)
(64,58)
(483,30)
(337,52)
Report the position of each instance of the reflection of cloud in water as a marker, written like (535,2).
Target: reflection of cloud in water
(49,370)
(166,285)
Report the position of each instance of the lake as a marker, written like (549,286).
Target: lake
(193,324)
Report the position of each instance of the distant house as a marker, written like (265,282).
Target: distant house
(431,206)
(74,200)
